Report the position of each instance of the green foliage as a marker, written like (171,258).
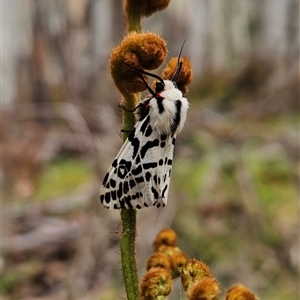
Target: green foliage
(14,277)
(240,204)
(61,176)
(273,179)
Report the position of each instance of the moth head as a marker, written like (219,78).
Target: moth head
(159,85)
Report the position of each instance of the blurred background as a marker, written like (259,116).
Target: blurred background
(234,190)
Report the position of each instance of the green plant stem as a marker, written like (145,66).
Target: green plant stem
(128,217)
(134,17)
(128,253)
(134,26)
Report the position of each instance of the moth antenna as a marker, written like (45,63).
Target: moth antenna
(179,65)
(139,71)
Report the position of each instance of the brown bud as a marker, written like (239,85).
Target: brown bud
(154,6)
(169,250)
(156,284)
(185,76)
(205,289)
(192,272)
(165,237)
(159,259)
(140,50)
(240,292)
(178,260)
(145,7)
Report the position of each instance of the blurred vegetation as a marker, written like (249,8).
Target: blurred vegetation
(235,184)
(62,176)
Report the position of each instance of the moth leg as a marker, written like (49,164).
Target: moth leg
(128,110)
(127,131)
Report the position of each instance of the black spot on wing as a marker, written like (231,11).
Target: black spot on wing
(139,179)
(101,198)
(164,190)
(148,131)
(177,116)
(125,187)
(112,183)
(132,183)
(154,192)
(115,163)
(135,196)
(147,146)
(107,197)
(155,179)
(138,159)
(148,176)
(163,137)
(120,190)
(127,200)
(121,204)
(131,135)
(123,168)
(162,144)
(114,195)
(137,170)
(136,145)
(161,162)
(150,165)
(105,179)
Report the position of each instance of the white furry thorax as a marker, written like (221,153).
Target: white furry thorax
(162,122)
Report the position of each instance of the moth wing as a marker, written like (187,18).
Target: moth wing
(160,179)
(139,176)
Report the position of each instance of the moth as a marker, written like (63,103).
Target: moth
(140,174)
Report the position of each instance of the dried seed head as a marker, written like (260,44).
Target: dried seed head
(159,259)
(205,289)
(156,284)
(144,8)
(140,50)
(240,292)
(154,6)
(178,260)
(165,237)
(185,76)
(169,250)
(192,272)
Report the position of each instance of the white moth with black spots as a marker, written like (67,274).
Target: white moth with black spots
(140,174)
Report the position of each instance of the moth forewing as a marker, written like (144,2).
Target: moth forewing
(140,174)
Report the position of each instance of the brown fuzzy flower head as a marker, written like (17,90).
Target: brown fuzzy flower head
(165,237)
(240,292)
(169,250)
(159,259)
(145,7)
(192,272)
(185,76)
(139,50)
(205,289)
(156,284)
(178,260)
